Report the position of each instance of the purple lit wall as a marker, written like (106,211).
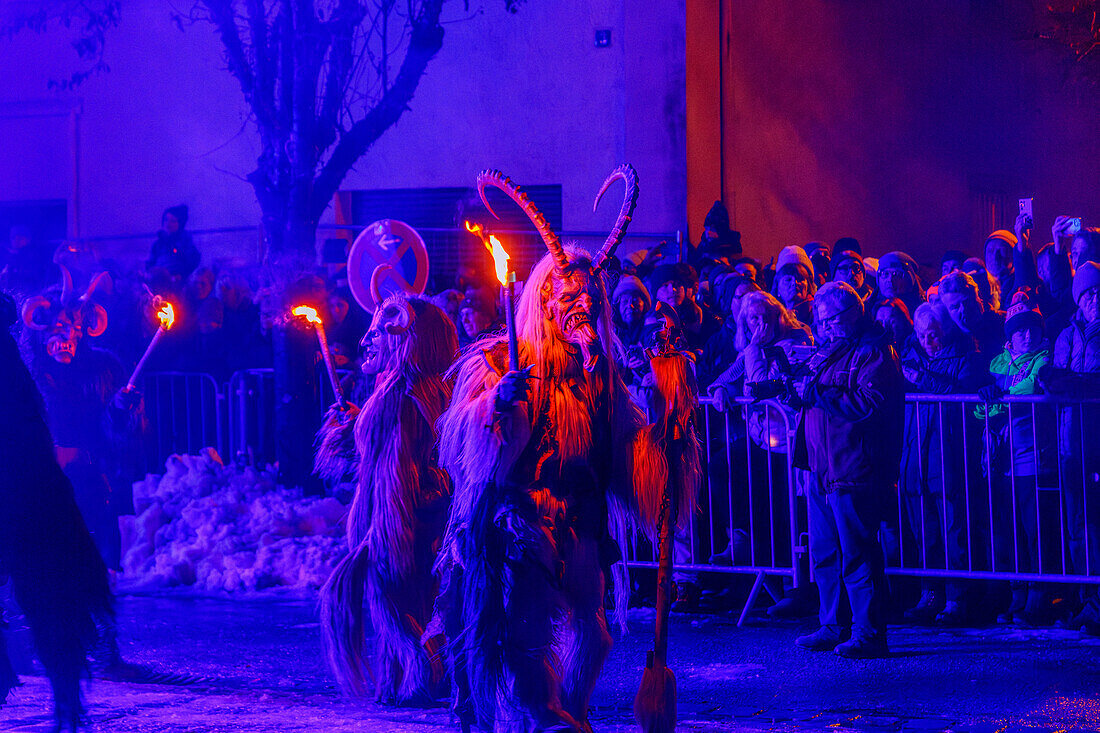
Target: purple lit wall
(528,93)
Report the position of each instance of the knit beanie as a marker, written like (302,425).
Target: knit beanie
(816,247)
(631,284)
(1004,235)
(663,274)
(717,218)
(839,258)
(1022,313)
(180,212)
(847,244)
(1086,278)
(796,256)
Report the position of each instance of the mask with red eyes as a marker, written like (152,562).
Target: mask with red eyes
(65,317)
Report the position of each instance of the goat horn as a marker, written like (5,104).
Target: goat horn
(375,280)
(66,284)
(497,179)
(97,280)
(629,176)
(405,316)
(30,307)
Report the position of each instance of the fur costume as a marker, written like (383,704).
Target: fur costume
(398,512)
(58,577)
(93,423)
(538,479)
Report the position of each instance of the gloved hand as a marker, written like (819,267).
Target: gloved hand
(513,387)
(127,399)
(991,393)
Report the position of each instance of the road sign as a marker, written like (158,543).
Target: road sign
(400,254)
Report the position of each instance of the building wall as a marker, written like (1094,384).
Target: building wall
(528,93)
(901,124)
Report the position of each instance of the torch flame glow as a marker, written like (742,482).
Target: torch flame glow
(309,313)
(166,316)
(500,258)
(496,249)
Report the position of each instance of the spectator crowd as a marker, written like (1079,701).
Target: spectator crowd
(810,355)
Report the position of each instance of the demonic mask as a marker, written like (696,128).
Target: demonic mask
(388,328)
(574,295)
(66,318)
(573,304)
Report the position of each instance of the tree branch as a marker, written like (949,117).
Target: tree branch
(341,61)
(424,43)
(224,18)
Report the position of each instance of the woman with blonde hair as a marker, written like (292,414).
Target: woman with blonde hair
(765,329)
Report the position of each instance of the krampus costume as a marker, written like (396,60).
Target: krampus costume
(541,459)
(93,422)
(398,512)
(58,577)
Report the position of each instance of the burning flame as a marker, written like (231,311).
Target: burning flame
(166,316)
(309,313)
(496,249)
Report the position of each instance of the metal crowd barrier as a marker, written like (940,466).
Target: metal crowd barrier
(1008,496)
(189,411)
(1011,496)
(1005,491)
(186,413)
(750,519)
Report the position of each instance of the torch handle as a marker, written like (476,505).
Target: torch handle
(144,357)
(329,367)
(510,317)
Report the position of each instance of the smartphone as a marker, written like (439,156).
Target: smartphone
(1025,209)
(1073,227)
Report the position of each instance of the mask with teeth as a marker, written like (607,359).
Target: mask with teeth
(574,304)
(573,297)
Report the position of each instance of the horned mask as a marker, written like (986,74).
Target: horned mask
(573,296)
(66,316)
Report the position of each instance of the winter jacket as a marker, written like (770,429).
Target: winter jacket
(1076,372)
(766,427)
(1015,440)
(719,353)
(850,432)
(931,463)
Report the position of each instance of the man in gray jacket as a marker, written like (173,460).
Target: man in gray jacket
(850,436)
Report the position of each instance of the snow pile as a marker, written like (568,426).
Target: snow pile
(226,528)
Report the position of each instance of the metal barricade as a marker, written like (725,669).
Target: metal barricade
(1000,491)
(1011,494)
(185,412)
(749,518)
(252,416)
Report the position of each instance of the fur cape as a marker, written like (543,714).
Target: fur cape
(480,447)
(394,524)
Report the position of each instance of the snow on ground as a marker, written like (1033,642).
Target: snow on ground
(209,527)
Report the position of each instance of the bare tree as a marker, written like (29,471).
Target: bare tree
(1074,25)
(324,79)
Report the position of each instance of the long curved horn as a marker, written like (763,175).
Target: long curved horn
(495,178)
(375,281)
(66,284)
(98,280)
(629,176)
(30,307)
(98,320)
